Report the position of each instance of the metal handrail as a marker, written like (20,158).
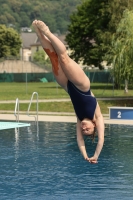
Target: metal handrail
(17,109)
(36,117)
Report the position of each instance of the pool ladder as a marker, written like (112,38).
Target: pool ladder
(16,112)
(36,117)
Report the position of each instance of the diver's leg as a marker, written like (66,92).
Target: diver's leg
(47,46)
(71,69)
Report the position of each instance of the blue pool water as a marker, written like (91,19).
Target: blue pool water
(48,165)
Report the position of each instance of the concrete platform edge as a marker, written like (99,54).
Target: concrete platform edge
(55,118)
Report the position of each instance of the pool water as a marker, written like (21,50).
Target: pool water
(48,165)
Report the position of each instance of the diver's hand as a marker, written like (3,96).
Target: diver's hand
(93,160)
(87,159)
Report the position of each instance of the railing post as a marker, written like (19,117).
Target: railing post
(17,109)
(36,117)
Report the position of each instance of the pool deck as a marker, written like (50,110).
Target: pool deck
(58,117)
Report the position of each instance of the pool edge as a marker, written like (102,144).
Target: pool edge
(55,118)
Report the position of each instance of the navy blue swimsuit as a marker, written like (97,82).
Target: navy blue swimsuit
(84,104)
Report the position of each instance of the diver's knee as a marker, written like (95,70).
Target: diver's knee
(64,59)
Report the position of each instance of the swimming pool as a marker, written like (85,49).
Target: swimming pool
(48,165)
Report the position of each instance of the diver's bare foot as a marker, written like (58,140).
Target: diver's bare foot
(34,24)
(42,27)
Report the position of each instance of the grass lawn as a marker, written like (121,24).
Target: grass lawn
(11,91)
(64,106)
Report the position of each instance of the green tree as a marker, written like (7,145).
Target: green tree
(91,29)
(54,13)
(10,42)
(121,51)
(40,58)
(3,19)
(25,21)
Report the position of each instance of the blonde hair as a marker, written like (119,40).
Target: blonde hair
(92,136)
